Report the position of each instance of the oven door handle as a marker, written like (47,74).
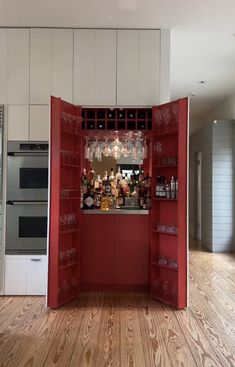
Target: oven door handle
(9,202)
(35,154)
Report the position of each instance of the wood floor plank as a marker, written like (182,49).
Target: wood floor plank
(86,347)
(132,354)
(216,334)
(155,351)
(127,329)
(109,339)
(15,336)
(202,351)
(63,344)
(176,345)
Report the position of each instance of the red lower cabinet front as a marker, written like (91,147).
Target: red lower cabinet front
(114,252)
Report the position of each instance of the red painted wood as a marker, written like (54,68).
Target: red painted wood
(174,143)
(115,252)
(63,280)
(97,250)
(132,250)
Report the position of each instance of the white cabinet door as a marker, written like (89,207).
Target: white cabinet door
(39,123)
(40,65)
(3,66)
(18,66)
(36,276)
(62,64)
(18,122)
(95,67)
(138,70)
(127,67)
(15,276)
(149,67)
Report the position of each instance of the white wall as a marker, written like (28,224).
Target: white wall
(201,141)
(215,141)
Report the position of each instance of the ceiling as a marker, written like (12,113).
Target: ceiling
(202,43)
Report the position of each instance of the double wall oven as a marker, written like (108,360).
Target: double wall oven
(27,196)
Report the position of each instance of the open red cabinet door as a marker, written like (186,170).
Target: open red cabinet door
(169,244)
(64,210)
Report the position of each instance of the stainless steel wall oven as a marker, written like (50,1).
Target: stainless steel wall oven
(27,191)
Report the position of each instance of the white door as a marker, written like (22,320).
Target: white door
(15,276)
(36,276)
(94,67)
(18,66)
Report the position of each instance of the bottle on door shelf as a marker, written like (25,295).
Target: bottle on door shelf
(112,176)
(98,182)
(165,189)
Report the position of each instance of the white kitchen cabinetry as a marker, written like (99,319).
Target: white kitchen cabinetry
(40,65)
(39,123)
(94,67)
(18,66)
(25,275)
(18,122)
(62,64)
(51,64)
(3,66)
(138,67)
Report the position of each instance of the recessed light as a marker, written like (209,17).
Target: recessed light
(192,94)
(215,121)
(202,82)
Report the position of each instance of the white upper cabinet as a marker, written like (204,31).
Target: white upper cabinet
(40,66)
(95,67)
(18,122)
(62,64)
(39,122)
(3,66)
(18,66)
(138,67)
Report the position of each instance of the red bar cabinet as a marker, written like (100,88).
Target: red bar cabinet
(166,131)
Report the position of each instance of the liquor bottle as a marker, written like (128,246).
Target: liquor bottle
(107,187)
(111,177)
(133,175)
(173,186)
(158,186)
(88,199)
(91,175)
(98,182)
(141,175)
(168,191)
(97,199)
(118,175)
(176,188)
(84,181)
(105,176)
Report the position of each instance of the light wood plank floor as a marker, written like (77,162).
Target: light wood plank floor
(128,330)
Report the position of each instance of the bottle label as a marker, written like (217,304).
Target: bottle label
(89,201)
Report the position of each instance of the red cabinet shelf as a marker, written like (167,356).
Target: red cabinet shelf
(166,233)
(164,199)
(164,267)
(67,266)
(70,165)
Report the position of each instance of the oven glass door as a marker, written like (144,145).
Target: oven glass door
(26,228)
(27,177)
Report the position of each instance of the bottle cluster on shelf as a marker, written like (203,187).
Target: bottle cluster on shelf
(166,189)
(166,228)
(166,290)
(116,191)
(166,262)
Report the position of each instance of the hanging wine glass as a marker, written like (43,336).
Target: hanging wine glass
(144,152)
(98,152)
(106,150)
(125,151)
(134,151)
